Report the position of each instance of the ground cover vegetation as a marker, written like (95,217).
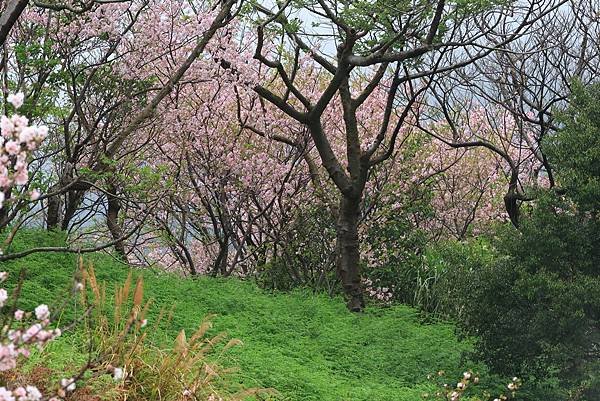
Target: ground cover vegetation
(377,200)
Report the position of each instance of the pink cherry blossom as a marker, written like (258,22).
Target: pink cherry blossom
(16,99)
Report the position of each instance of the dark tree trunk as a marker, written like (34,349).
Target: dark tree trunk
(183,255)
(9,17)
(511,198)
(112,221)
(54,208)
(4,211)
(73,201)
(220,266)
(348,253)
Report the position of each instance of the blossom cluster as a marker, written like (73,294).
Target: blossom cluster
(382,294)
(17,140)
(28,393)
(16,342)
(469,379)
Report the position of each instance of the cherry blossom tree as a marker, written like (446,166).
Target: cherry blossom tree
(526,83)
(98,79)
(388,44)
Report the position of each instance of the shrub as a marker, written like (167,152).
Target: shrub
(574,151)
(306,258)
(535,309)
(188,370)
(454,268)
(393,260)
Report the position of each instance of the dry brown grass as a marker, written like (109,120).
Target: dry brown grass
(187,370)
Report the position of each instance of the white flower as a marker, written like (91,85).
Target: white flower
(42,133)
(68,384)
(6,395)
(42,312)
(3,296)
(19,122)
(144,323)
(27,134)
(16,99)
(467,375)
(118,374)
(7,126)
(12,147)
(460,385)
(33,394)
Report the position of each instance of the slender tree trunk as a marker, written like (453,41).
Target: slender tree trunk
(4,211)
(9,17)
(112,221)
(54,207)
(348,253)
(183,255)
(511,198)
(220,266)
(73,201)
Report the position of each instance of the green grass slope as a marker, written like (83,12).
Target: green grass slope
(308,347)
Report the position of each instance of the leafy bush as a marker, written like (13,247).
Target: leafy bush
(307,256)
(575,149)
(393,261)
(534,305)
(454,268)
(535,308)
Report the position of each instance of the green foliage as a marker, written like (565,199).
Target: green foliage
(574,150)
(453,267)
(308,347)
(535,307)
(307,257)
(396,249)
(466,7)
(36,56)
(381,20)
(534,303)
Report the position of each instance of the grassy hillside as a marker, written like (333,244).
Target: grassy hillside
(307,347)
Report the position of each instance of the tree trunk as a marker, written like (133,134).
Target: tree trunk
(112,221)
(348,253)
(220,266)
(4,211)
(10,15)
(54,209)
(72,203)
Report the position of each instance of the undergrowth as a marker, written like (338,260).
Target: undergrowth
(306,346)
